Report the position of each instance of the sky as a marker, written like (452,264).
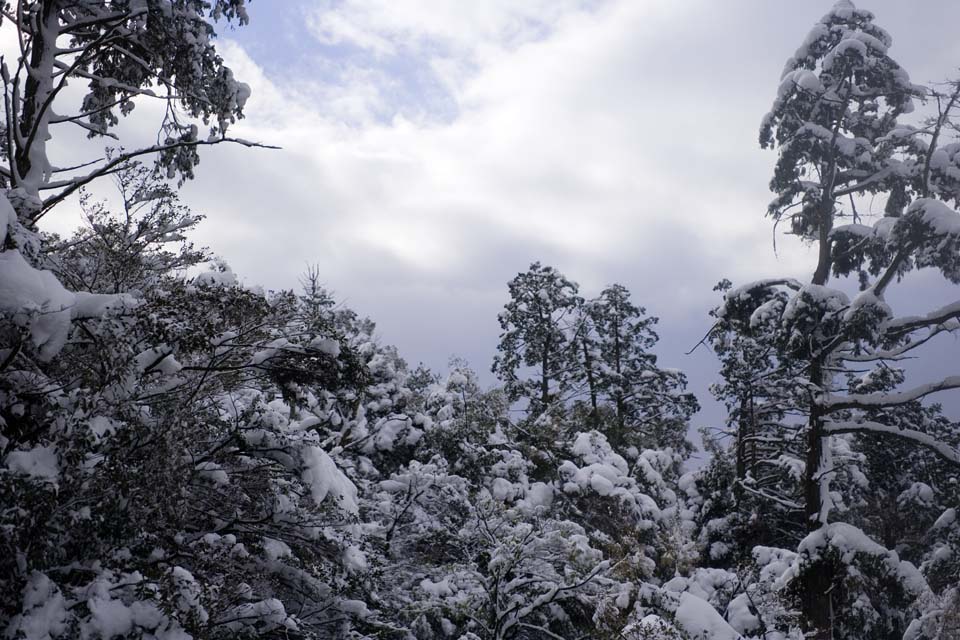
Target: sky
(433,149)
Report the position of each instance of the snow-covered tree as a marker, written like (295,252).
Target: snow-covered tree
(648,405)
(537,323)
(125,53)
(179,459)
(766,458)
(130,250)
(835,125)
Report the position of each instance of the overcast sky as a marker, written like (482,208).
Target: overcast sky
(433,149)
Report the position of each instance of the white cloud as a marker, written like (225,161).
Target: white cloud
(446,145)
(580,145)
(434,27)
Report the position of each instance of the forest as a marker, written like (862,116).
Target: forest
(185,455)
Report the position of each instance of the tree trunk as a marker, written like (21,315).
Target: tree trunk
(37,89)
(545,375)
(741,463)
(592,385)
(816,599)
(817,606)
(822,273)
(618,367)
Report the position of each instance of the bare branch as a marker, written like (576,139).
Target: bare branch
(79,182)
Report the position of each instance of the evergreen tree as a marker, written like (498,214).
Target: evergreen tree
(537,324)
(649,406)
(835,124)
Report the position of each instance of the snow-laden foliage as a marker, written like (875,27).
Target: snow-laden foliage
(124,53)
(184,456)
(537,326)
(196,458)
(827,503)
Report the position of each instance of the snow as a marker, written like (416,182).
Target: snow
(807,80)
(327,346)
(321,474)
(212,472)
(766,312)
(593,448)
(188,597)
(818,31)
(39,463)
(937,316)
(746,292)
(864,300)
(941,553)
(8,217)
(354,607)
(101,426)
(219,275)
(917,492)
(243,93)
(275,549)
(817,296)
(946,519)
(497,437)
(843,144)
(96,305)
(388,431)
(651,626)
(109,617)
(699,619)
(35,298)
(44,610)
(941,219)
(884,227)
(606,473)
(502,489)
(843,48)
(539,495)
(856,229)
(40,170)
(869,400)
(739,615)
(354,560)
(270,610)
(850,542)
(773,562)
(157,359)
(601,484)
(842,9)
(437,589)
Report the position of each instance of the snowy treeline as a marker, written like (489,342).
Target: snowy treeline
(183,456)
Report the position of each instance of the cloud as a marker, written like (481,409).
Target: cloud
(433,150)
(579,143)
(563,139)
(437,29)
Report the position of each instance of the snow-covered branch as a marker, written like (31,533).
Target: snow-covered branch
(833,402)
(902,326)
(945,451)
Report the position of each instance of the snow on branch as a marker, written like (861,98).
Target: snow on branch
(833,402)
(900,353)
(942,449)
(901,326)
